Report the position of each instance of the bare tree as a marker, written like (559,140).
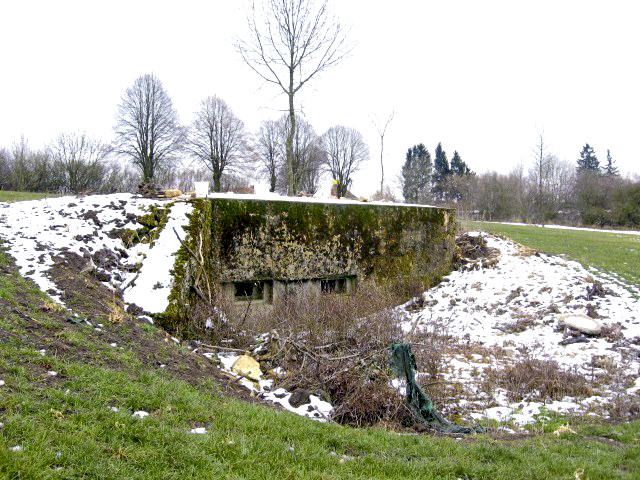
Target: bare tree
(560,182)
(119,177)
(382,131)
(290,42)
(308,156)
(147,129)
(518,188)
(79,162)
(21,169)
(268,150)
(345,151)
(493,200)
(217,138)
(539,173)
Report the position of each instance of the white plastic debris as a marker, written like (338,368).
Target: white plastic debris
(51,373)
(140,414)
(199,430)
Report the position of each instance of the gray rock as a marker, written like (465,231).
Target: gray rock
(299,397)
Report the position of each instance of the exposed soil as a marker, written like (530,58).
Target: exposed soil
(38,324)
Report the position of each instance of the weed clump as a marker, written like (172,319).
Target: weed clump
(537,379)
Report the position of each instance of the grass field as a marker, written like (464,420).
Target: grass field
(612,252)
(64,426)
(8,196)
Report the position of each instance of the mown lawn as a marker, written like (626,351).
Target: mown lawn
(8,196)
(66,426)
(616,253)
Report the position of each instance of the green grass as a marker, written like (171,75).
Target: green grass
(615,253)
(66,429)
(8,196)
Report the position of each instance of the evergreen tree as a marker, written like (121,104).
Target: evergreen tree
(610,170)
(416,175)
(588,161)
(458,184)
(458,166)
(440,175)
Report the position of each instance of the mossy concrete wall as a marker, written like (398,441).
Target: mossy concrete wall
(238,240)
(284,240)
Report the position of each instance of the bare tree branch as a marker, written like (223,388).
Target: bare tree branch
(79,162)
(289,43)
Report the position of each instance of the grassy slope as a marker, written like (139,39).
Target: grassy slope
(7,196)
(613,252)
(66,429)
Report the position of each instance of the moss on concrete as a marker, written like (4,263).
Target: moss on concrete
(296,240)
(152,224)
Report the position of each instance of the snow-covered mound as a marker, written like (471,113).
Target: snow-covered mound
(37,231)
(532,305)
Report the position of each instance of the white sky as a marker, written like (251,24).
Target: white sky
(482,77)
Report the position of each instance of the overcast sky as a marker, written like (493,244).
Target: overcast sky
(482,77)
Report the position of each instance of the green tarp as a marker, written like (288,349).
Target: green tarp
(403,363)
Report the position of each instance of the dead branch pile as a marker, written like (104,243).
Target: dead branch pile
(352,375)
(336,347)
(472,253)
(149,190)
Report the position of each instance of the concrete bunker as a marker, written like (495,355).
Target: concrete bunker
(260,251)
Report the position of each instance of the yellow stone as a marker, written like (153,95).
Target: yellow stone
(248,367)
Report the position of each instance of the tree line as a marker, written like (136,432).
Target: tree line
(215,146)
(287,44)
(550,190)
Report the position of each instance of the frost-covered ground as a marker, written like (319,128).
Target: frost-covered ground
(502,315)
